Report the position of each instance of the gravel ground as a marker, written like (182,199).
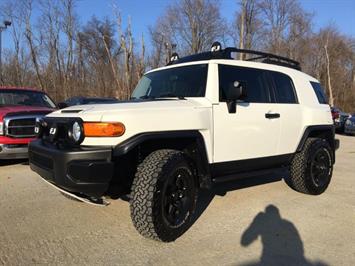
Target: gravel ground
(239,224)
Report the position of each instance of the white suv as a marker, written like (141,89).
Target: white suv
(202,119)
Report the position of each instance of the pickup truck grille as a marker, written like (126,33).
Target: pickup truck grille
(20,127)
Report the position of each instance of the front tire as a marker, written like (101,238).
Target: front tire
(164,195)
(311,169)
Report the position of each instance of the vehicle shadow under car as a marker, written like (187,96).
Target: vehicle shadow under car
(221,189)
(9,162)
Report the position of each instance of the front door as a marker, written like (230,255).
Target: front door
(253,131)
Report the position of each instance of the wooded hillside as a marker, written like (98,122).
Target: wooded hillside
(56,53)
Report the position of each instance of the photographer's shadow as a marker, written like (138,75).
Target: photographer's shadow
(282,244)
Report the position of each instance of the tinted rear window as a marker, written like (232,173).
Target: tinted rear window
(322,98)
(284,89)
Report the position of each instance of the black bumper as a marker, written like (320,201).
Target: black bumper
(81,170)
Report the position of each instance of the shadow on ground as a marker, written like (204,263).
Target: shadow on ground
(206,196)
(13,161)
(281,241)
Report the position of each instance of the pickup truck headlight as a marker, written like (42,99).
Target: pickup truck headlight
(1,128)
(348,122)
(98,129)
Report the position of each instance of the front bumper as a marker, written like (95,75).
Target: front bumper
(82,170)
(13,151)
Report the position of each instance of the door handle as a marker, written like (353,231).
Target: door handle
(272,115)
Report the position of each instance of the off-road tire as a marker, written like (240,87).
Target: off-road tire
(147,196)
(300,178)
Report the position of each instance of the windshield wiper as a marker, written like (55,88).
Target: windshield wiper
(147,97)
(180,97)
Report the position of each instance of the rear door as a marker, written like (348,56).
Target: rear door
(253,131)
(286,104)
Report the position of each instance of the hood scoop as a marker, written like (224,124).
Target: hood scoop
(71,111)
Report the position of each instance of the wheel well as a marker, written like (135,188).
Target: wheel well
(126,164)
(324,132)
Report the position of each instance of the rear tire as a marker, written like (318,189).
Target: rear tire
(311,169)
(164,195)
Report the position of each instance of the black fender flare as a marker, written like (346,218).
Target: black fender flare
(328,130)
(201,158)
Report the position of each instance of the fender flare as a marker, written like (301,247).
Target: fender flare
(201,158)
(329,130)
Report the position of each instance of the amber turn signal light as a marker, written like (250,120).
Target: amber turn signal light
(98,129)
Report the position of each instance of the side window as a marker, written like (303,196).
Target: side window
(322,98)
(284,89)
(256,87)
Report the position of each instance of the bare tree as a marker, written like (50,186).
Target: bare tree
(52,51)
(276,15)
(127,48)
(161,37)
(141,61)
(247,24)
(30,39)
(331,99)
(192,24)
(13,11)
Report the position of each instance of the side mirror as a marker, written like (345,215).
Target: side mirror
(236,91)
(62,105)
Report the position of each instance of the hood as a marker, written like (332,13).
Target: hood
(21,109)
(168,114)
(98,110)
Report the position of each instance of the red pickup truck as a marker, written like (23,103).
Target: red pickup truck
(19,109)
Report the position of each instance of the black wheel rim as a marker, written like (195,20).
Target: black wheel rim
(320,167)
(177,199)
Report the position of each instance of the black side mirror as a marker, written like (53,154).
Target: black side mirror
(236,91)
(62,105)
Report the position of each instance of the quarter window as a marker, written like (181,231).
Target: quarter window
(322,98)
(284,90)
(254,79)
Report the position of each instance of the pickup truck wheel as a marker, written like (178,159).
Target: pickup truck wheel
(164,195)
(311,169)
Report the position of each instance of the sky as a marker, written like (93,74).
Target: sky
(144,13)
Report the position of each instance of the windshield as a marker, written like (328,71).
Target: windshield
(186,81)
(26,98)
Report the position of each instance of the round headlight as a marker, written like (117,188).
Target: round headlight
(348,122)
(76,132)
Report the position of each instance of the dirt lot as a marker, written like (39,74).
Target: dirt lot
(255,224)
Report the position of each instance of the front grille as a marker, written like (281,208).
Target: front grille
(22,122)
(41,161)
(20,127)
(62,125)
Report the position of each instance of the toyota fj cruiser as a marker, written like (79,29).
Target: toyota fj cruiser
(202,119)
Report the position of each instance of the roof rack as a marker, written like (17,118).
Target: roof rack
(218,53)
